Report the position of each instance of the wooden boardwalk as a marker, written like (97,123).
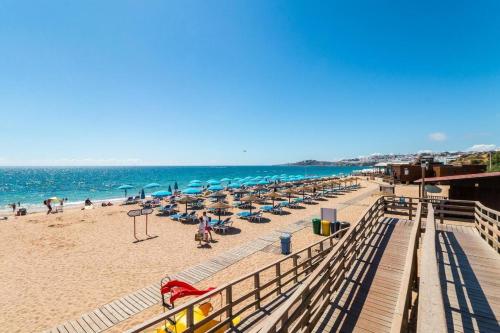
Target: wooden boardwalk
(469,273)
(366,300)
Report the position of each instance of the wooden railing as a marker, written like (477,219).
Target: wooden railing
(310,276)
(252,291)
(487,223)
(400,206)
(404,305)
(486,220)
(431,317)
(458,210)
(302,311)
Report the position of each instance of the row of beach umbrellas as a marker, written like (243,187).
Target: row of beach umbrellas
(194,186)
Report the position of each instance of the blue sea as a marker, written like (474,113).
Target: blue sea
(31,185)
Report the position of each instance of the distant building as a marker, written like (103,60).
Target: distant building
(482,187)
(408,172)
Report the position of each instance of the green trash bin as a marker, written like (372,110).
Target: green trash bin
(316,226)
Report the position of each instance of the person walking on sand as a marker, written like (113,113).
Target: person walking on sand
(201,231)
(49,206)
(208,228)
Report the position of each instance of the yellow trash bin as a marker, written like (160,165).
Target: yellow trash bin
(325,228)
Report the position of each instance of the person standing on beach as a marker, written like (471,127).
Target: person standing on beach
(49,206)
(206,221)
(201,230)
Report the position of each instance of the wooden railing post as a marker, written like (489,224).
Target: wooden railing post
(190,319)
(278,281)
(296,271)
(256,284)
(410,205)
(441,208)
(309,263)
(229,303)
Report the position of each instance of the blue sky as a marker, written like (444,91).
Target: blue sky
(244,82)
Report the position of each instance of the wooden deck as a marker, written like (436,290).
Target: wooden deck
(367,299)
(469,273)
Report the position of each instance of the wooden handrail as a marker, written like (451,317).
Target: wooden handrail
(403,306)
(487,223)
(431,316)
(297,272)
(306,305)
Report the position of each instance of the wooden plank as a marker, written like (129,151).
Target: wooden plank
(84,325)
(78,328)
(105,320)
(102,326)
(91,323)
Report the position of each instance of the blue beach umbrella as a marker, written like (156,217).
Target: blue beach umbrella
(125,187)
(225,180)
(250,183)
(161,194)
(215,187)
(234,185)
(194,185)
(169,188)
(176,186)
(151,185)
(262,182)
(192,190)
(143,195)
(237,179)
(258,177)
(195,181)
(213,182)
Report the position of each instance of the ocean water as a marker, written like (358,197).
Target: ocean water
(32,185)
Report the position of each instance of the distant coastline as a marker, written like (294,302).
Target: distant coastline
(343,163)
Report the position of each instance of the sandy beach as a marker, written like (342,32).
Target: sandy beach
(56,267)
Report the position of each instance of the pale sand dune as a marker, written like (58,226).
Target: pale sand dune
(56,267)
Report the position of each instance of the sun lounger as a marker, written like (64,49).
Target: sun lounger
(277,209)
(167,209)
(308,200)
(130,201)
(223,225)
(189,217)
(244,215)
(178,216)
(266,209)
(255,217)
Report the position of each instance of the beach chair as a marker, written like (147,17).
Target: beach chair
(284,204)
(167,209)
(266,209)
(130,201)
(308,200)
(277,209)
(244,215)
(257,216)
(189,217)
(178,216)
(223,226)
